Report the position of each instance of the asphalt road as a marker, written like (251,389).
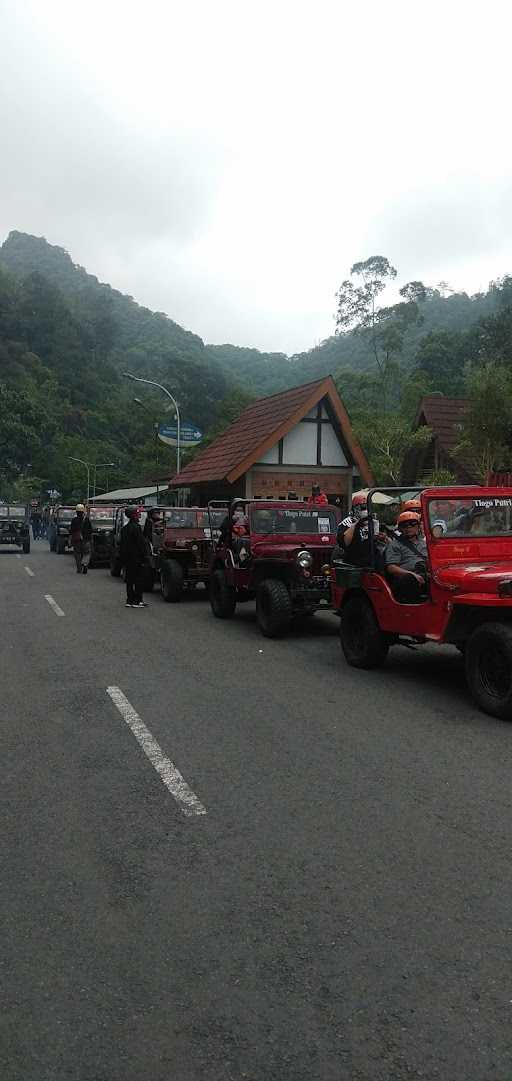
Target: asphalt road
(341,912)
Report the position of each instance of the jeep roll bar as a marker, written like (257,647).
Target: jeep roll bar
(410,490)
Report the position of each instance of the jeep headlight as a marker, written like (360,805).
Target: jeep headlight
(304,560)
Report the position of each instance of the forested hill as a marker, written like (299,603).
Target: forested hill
(134,337)
(66,338)
(264,373)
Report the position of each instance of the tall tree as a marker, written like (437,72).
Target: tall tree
(487,434)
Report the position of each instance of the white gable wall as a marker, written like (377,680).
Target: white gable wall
(299,446)
(332,453)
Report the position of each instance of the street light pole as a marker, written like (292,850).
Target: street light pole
(100,465)
(88,468)
(151,383)
(155,427)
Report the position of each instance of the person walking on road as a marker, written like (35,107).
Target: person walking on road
(133,556)
(81,533)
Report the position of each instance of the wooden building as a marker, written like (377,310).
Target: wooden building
(278,448)
(445,416)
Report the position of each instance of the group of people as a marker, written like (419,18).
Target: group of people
(133,547)
(401,550)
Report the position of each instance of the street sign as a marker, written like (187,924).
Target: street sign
(53,493)
(190,434)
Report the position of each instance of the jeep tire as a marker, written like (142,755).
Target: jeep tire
(26,547)
(60,547)
(362,641)
(488,660)
(222,595)
(115,566)
(171,580)
(148,579)
(274,607)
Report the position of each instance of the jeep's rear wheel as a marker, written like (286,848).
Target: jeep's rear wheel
(26,547)
(222,596)
(274,608)
(171,580)
(489,669)
(362,641)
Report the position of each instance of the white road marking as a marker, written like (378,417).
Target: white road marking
(29,572)
(53,604)
(18,556)
(168,772)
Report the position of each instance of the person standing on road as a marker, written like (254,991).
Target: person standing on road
(35,521)
(81,533)
(133,556)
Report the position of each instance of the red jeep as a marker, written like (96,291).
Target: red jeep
(279,553)
(468,595)
(182,548)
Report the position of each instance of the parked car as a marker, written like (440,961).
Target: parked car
(183,548)
(59,537)
(14,525)
(468,598)
(102,521)
(283,561)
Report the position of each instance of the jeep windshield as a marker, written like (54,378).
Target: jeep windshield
(102,515)
(65,514)
(12,512)
(275,520)
(485,516)
(194,519)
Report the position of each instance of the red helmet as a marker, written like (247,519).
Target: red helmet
(408,516)
(359,499)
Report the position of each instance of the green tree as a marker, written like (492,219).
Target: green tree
(383,327)
(386,439)
(486,440)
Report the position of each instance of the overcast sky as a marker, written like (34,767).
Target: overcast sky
(227,162)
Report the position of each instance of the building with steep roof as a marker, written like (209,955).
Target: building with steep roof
(279,447)
(445,416)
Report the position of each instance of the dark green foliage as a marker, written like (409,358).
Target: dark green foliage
(65,339)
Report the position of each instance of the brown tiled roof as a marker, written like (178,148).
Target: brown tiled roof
(259,427)
(446,418)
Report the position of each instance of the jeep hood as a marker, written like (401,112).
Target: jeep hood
(475,577)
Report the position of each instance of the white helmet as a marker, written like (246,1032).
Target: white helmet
(79,507)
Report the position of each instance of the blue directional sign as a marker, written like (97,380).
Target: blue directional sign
(190,434)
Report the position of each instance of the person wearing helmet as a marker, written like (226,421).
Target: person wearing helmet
(405,559)
(352,538)
(81,533)
(317,497)
(133,556)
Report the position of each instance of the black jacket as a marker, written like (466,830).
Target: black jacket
(133,546)
(81,527)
